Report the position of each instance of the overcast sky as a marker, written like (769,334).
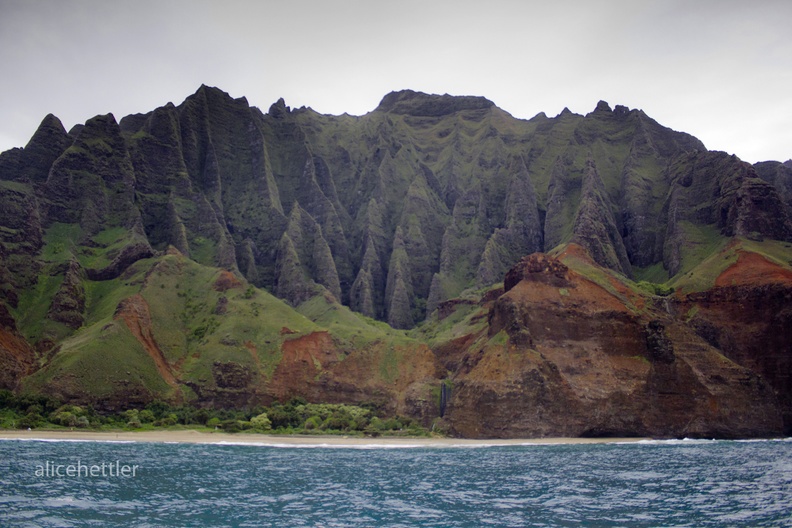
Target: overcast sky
(720,70)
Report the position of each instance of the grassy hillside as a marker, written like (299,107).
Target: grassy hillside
(170,328)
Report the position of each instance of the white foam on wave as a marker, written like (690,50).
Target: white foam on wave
(361,446)
(696,441)
(473,445)
(319,446)
(756,440)
(670,441)
(69,440)
(406,445)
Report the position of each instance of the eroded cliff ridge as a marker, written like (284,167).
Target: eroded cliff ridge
(574,351)
(215,254)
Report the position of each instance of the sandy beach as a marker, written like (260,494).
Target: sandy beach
(197,437)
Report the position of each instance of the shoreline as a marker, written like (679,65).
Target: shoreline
(198,437)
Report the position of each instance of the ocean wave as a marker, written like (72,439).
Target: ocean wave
(755,440)
(395,482)
(672,441)
(285,445)
(696,441)
(68,440)
(439,445)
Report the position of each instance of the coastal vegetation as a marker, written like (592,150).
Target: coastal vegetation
(295,416)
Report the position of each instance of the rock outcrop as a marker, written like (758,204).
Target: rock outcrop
(68,305)
(562,355)
(747,316)
(421,104)
(17,357)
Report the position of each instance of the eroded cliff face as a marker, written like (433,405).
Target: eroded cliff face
(563,355)
(17,357)
(298,202)
(747,316)
(139,258)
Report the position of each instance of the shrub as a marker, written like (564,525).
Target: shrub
(261,422)
(134,423)
(314,422)
(201,416)
(64,418)
(159,408)
(35,409)
(231,426)
(73,410)
(336,422)
(376,423)
(7,399)
(282,417)
(370,431)
(31,420)
(167,421)
(391,424)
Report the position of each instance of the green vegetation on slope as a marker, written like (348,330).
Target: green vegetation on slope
(293,417)
(702,276)
(353,329)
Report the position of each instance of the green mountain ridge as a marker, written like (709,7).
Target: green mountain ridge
(113,234)
(219,180)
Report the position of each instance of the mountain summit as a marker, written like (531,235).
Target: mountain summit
(409,102)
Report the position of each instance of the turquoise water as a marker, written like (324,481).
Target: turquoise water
(670,483)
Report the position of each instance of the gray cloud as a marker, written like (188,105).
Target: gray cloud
(719,70)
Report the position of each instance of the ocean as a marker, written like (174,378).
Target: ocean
(649,483)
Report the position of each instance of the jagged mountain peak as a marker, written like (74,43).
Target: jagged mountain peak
(216,179)
(602,106)
(565,112)
(603,109)
(50,123)
(278,109)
